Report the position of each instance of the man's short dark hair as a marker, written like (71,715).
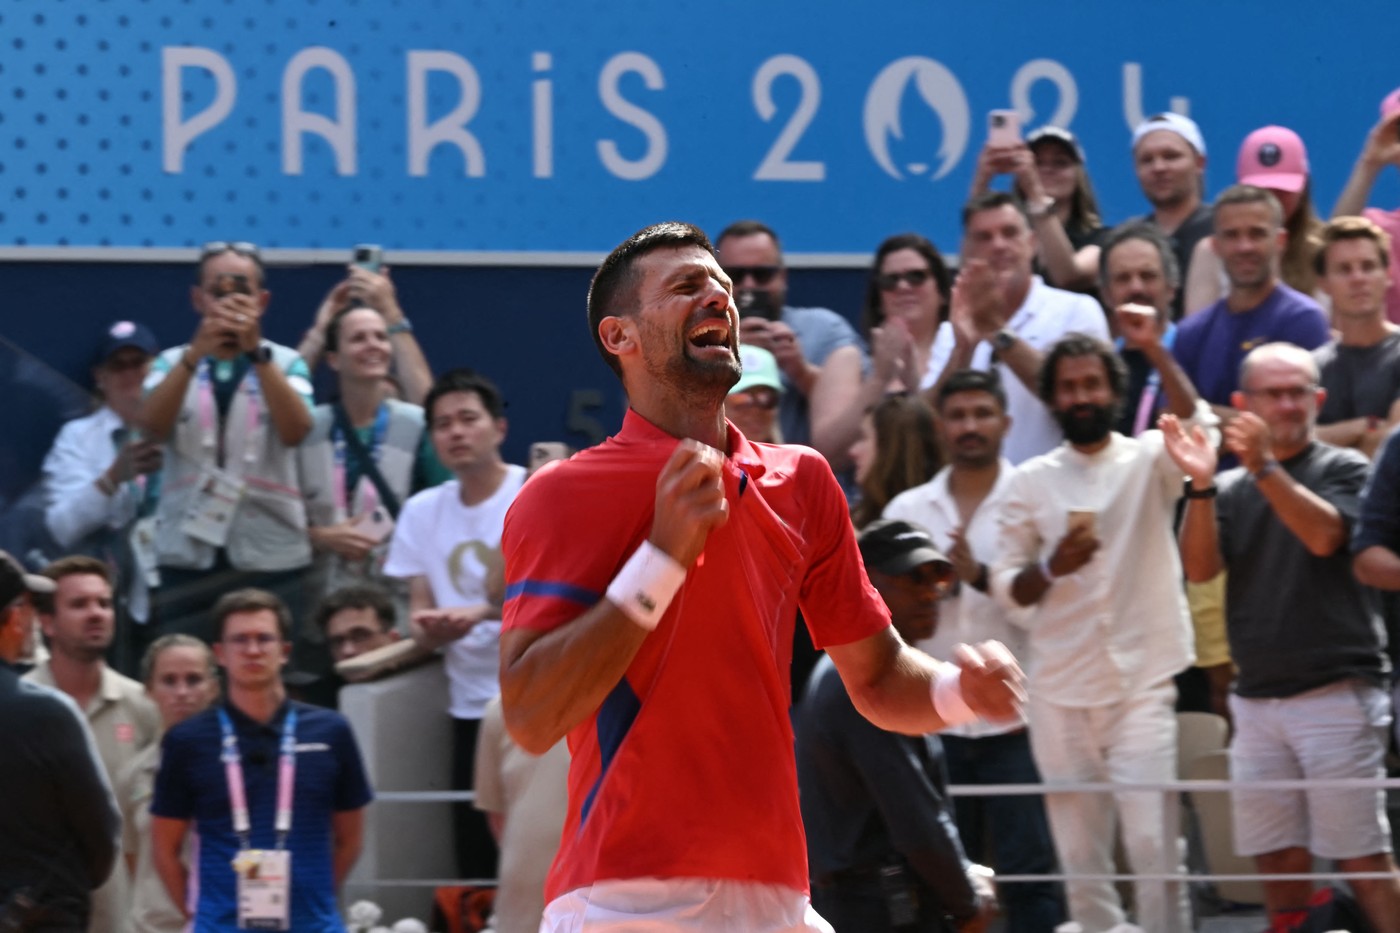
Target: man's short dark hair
(1251,194)
(990,201)
(1350,228)
(613,291)
(973,380)
(251,599)
(749,228)
(465,380)
(1075,345)
(1147,233)
(358,596)
(71,566)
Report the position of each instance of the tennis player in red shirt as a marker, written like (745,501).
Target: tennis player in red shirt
(652,587)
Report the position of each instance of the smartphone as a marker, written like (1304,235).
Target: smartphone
(752,302)
(377,524)
(368,256)
(1003,128)
(1082,518)
(542,452)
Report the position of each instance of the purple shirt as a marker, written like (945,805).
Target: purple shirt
(1211,344)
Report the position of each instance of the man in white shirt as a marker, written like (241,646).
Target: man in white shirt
(1086,541)
(959,508)
(1003,315)
(447,543)
(96,475)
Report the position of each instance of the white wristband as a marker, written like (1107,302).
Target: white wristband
(1045,570)
(646,584)
(948,700)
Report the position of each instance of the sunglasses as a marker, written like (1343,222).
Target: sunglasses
(761,275)
(889,281)
(241,247)
(762,398)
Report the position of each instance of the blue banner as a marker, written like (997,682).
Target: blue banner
(429,125)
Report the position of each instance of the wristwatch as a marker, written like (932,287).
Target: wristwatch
(404,326)
(1191,492)
(263,354)
(1041,208)
(1004,339)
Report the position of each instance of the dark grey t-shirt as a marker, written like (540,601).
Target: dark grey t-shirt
(1296,622)
(1360,381)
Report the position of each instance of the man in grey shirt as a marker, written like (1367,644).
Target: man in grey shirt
(815,347)
(60,826)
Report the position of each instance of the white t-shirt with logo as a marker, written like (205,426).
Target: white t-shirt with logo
(450,543)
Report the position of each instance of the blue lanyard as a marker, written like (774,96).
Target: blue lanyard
(286,778)
(376,441)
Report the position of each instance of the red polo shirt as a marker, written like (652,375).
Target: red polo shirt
(686,770)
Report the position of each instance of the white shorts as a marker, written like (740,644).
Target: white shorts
(663,905)
(1336,731)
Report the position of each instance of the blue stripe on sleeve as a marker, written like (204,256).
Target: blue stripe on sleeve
(553,588)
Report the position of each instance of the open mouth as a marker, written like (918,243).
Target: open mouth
(709,335)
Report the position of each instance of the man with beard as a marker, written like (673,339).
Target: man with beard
(78,621)
(1258,309)
(667,667)
(959,506)
(1309,701)
(1086,542)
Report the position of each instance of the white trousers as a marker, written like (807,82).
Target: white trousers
(1129,742)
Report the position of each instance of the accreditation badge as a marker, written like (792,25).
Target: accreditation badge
(210,512)
(264,889)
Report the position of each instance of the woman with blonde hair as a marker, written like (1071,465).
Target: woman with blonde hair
(181,680)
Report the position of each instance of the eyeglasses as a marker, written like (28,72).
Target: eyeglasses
(760,397)
(356,637)
(889,281)
(247,640)
(241,247)
(761,275)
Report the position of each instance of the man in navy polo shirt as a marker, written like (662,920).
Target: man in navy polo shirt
(276,861)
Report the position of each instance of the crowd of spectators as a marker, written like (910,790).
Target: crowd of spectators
(1004,414)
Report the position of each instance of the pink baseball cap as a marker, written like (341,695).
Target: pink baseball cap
(1273,157)
(1390,104)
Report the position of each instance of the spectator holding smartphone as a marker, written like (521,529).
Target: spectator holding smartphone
(367,284)
(365,455)
(1050,177)
(231,407)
